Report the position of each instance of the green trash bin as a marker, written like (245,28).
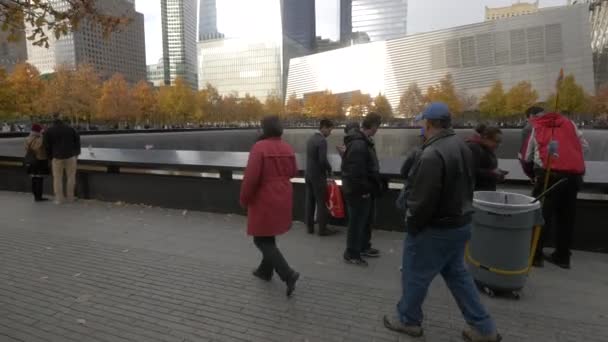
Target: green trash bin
(499,253)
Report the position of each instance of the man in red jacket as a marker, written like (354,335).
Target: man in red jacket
(556,143)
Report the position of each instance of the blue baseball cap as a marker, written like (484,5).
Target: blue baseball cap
(435,111)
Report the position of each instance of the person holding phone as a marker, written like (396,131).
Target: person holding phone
(483,144)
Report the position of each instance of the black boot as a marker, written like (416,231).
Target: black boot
(38,189)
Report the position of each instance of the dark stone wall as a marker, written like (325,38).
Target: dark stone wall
(221,196)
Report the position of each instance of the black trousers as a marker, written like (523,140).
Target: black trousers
(316,192)
(559,212)
(272,259)
(37,187)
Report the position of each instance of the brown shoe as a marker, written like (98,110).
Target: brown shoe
(471,335)
(396,325)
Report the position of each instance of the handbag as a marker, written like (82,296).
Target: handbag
(30,157)
(334,200)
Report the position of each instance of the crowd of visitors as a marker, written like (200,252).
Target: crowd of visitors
(440,174)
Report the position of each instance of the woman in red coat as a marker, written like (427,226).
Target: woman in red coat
(267,194)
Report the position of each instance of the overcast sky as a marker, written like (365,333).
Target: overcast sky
(423,16)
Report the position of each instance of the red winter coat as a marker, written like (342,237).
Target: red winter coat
(266,191)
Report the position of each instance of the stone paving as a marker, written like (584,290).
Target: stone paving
(95,271)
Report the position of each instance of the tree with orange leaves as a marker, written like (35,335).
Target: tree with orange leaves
(116,103)
(27,88)
(146,103)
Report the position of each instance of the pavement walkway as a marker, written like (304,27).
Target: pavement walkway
(94,271)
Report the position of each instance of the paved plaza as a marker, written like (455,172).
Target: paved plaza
(94,271)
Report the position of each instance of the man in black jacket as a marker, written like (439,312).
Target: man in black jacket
(317,170)
(62,144)
(439,220)
(361,185)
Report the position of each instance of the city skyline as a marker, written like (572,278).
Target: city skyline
(423,16)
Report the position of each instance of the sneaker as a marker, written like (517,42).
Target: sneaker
(473,336)
(563,262)
(370,253)
(310,230)
(291,283)
(259,275)
(355,261)
(396,325)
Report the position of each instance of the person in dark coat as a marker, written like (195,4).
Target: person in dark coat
(318,169)
(406,169)
(483,144)
(362,184)
(267,194)
(36,161)
(62,144)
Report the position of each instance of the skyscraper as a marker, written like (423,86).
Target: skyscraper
(12,52)
(379,19)
(254,42)
(122,52)
(346,20)
(208,20)
(179,40)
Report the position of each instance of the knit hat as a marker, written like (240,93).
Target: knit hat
(36,128)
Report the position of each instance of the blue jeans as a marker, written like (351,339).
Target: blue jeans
(440,251)
(360,210)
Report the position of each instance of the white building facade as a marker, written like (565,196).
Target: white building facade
(527,48)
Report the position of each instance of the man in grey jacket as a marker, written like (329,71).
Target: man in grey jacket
(439,220)
(317,170)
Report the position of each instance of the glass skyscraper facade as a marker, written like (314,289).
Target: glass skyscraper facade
(122,52)
(179,40)
(249,51)
(378,19)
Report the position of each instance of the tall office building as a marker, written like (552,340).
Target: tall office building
(250,53)
(122,52)
(208,20)
(515,10)
(379,19)
(346,20)
(12,52)
(179,40)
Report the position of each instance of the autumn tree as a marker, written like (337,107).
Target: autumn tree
(599,102)
(382,107)
(177,102)
(116,103)
(493,103)
(520,97)
(58,18)
(250,109)
(229,108)
(146,103)
(323,105)
(274,105)
(445,92)
(572,97)
(359,104)
(56,97)
(294,106)
(208,104)
(86,91)
(27,88)
(411,102)
(7,103)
